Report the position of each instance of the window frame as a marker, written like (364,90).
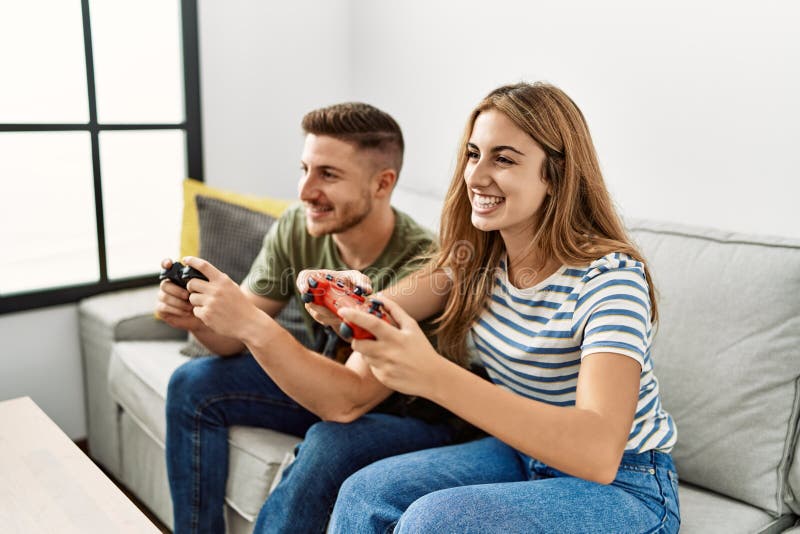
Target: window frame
(191,125)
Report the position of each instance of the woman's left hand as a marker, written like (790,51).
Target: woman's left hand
(400,357)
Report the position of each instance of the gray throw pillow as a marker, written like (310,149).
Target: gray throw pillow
(230,238)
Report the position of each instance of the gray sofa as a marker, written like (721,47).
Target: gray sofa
(727,353)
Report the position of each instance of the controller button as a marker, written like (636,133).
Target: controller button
(312,282)
(308,297)
(345,331)
(328,277)
(358,291)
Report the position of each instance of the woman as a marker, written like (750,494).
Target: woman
(537,274)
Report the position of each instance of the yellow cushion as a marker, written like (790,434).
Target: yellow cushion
(190,228)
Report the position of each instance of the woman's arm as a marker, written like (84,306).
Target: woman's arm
(586,440)
(421,294)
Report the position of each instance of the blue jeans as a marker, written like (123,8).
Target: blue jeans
(486,486)
(208,395)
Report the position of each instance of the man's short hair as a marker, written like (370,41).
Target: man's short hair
(365,126)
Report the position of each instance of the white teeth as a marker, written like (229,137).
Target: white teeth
(485,201)
(320,209)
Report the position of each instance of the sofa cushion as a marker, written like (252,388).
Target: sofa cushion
(726,354)
(138,376)
(139,373)
(190,241)
(230,235)
(706,512)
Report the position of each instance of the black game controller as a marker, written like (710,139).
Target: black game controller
(180,274)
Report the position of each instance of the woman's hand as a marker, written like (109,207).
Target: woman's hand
(219,303)
(321,314)
(401,358)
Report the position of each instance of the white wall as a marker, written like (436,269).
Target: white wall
(40,358)
(693,106)
(263,66)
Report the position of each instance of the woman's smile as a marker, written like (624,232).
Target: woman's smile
(485,204)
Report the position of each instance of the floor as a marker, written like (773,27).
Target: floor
(141,507)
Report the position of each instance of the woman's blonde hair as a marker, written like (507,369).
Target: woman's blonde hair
(578,222)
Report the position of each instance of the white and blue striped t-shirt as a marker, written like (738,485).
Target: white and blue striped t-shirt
(532,340)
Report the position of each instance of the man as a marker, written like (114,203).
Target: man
(351,160)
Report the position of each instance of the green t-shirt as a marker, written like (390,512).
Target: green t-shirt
(288,249)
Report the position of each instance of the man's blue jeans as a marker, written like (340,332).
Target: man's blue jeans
(486,486)
(208,395)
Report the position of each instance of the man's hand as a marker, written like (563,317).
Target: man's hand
(321,314)
(219,302)
(173,305)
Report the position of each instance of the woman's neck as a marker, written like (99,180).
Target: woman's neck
(527,264)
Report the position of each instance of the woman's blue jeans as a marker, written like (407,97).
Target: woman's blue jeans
(206,396)
(486,486)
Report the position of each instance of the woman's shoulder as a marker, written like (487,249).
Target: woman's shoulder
(614,278)
(614,265)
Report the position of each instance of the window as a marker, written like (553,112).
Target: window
(99,125)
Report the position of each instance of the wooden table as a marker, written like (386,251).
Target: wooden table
(47,485)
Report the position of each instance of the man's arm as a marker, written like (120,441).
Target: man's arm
(329,389)
(332,391)
(228,346)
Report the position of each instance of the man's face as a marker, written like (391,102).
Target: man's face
(335,185)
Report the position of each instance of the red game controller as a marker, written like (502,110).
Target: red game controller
(335,294)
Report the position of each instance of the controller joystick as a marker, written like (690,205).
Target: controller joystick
(187,273)
(307,296)
(336,294)
(346,332)
(180,274)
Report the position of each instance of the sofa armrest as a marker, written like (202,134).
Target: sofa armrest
(127,315)
(103,320)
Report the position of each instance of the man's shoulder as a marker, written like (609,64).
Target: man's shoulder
(410,247)
(294,215)
(409,230)
(292,222)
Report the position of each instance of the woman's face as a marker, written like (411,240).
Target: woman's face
(503,176)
